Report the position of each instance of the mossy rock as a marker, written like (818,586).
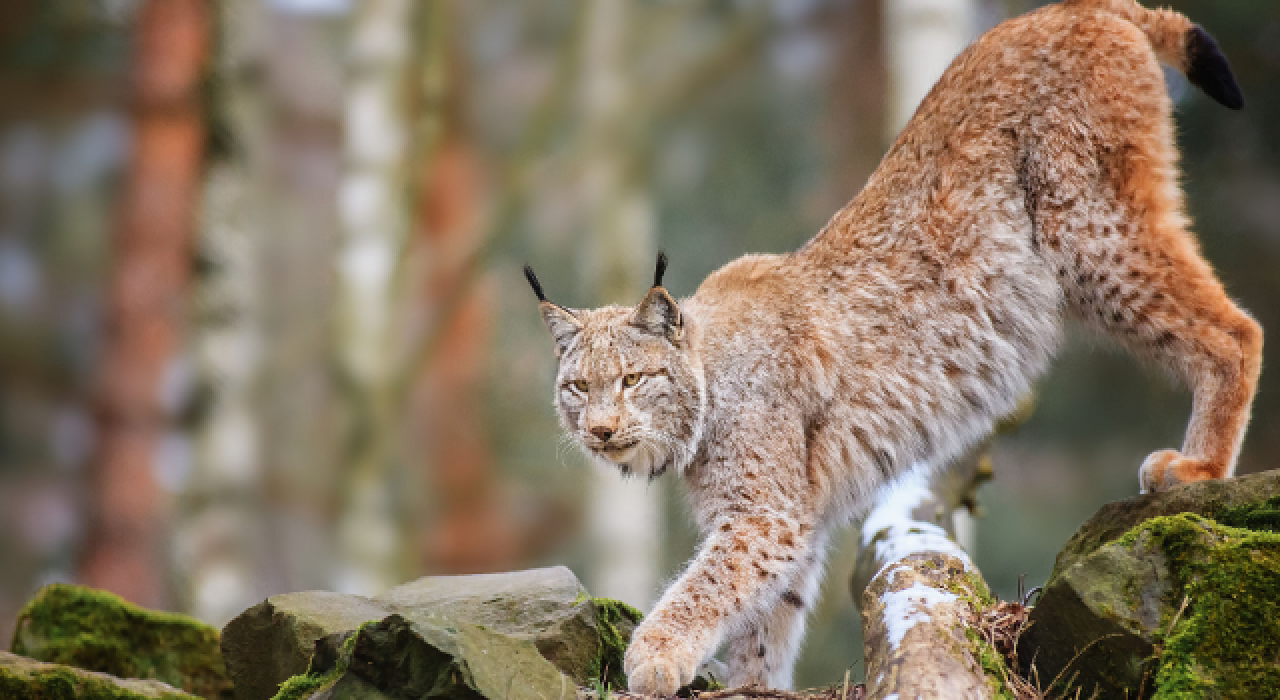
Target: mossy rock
(583,637)
(22,678)
(1180,606)
(274,640)
(99,631)
(399,658)
(1213,499)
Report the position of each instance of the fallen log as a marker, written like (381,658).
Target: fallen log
(921,597)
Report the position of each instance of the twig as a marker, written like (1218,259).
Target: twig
(1185,599)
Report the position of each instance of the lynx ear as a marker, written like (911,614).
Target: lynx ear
(659,314)
(560,321)
(562,324)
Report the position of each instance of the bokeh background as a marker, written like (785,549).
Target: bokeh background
(262,325)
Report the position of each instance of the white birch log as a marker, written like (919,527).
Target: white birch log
(919,602)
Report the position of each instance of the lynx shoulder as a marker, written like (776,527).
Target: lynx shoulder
(1037,181)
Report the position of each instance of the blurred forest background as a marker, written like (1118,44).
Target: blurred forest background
(262,325)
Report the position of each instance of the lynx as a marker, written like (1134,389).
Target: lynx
(1037,180)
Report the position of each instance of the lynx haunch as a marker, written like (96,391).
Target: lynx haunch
(1037,180)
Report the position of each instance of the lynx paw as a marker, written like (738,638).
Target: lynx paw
(658,667)
(1165,469)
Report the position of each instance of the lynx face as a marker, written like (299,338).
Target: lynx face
(629,390)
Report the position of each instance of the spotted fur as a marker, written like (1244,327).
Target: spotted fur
(1037,180)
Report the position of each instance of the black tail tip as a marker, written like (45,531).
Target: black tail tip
(533,282)
(1208,69)
(660,269)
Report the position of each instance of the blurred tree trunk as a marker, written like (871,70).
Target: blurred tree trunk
(374,207)
(856,118)
(624,515)
(297,393)
(125,550)
(921,38)
(220,532)
(470,530)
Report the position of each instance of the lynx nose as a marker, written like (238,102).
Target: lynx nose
(602,432)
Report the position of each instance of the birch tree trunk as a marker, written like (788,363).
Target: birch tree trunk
(374,211)
(624,516)
(126,547)
(220,531)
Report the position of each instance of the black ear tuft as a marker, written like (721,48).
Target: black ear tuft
(1208,69)
(660,270)
(533,282)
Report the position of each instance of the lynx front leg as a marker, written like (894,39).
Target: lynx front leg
(747,560)
(764,652)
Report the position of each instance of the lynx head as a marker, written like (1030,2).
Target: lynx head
(629,388)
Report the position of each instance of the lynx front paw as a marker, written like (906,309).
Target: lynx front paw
(658,667)
(1165,469)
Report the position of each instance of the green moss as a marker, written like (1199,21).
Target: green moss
(610,614)
(993,665)
(1226,642)
(1262,517)
(57,684)
(100,631)
(979,589)
(306,685)
(62,684)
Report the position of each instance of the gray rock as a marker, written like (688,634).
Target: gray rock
(273,641)
(1096,623)
(399,658)
(21,677)
(548,608)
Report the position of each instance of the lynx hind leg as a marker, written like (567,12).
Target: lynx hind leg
(764,651)
(1141,279)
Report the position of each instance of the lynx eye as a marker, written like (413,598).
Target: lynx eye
(579,385)
(631,380)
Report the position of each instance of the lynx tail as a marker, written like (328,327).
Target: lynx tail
(1181,43)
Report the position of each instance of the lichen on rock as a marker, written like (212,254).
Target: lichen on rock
(99,631)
